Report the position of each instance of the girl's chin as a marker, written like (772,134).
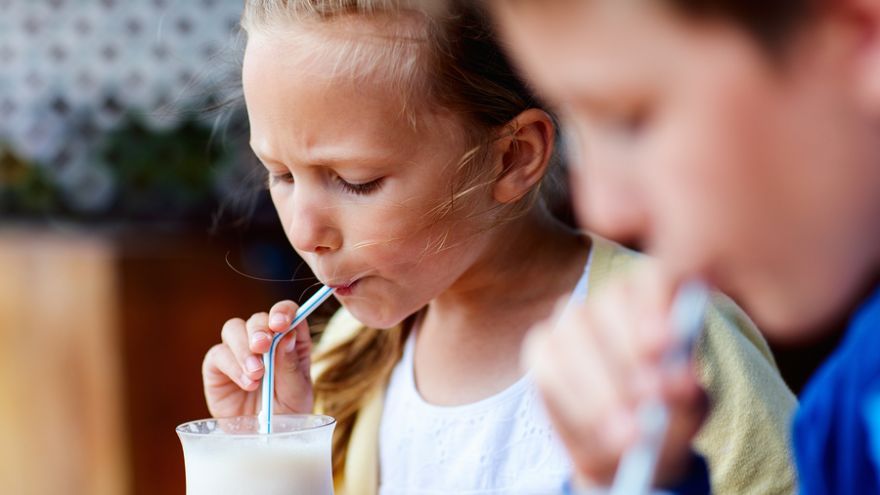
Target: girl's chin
(365,312)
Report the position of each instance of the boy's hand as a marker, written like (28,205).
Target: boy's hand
(595,364)
(233,369)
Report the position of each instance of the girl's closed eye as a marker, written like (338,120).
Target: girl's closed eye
(280,178)
(360,188)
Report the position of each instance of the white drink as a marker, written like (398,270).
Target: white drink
(229,459)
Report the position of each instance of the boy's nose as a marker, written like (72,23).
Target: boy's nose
(610,204)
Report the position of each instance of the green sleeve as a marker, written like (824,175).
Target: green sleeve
(746,438)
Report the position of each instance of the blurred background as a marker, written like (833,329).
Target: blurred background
(132,220)
(132,225)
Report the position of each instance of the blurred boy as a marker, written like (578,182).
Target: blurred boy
(737,141)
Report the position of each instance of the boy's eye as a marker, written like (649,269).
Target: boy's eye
(360,188)
(633,122)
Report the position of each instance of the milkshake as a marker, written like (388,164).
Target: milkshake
(230,457)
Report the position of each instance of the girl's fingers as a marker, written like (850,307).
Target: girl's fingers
(258,334)
(287,358)
(292,372)
(234,335)
(221,367)
(280,317)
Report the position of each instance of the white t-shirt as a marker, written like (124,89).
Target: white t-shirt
(503,444)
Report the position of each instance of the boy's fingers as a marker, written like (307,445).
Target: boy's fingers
(682,389)
(568,370)
(689,405)
(578,424)
(592,348)
(617,345)
(658,293)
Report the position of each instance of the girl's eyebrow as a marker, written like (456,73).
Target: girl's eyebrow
(263,158)
(328,159)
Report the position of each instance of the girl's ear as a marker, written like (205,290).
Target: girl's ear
(523,156)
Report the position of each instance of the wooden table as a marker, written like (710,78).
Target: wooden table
(101,342)
(61,420)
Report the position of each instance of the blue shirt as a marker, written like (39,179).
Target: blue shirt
(837,429)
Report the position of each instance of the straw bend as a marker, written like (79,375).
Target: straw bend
(268,386)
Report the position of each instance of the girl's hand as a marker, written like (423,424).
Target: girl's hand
(232,370)
(599,361)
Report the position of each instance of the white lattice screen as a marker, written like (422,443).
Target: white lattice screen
(70,69)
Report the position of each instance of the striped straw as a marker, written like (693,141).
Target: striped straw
(268,390)
(636,470)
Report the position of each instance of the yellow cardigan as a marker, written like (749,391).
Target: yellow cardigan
(745,439)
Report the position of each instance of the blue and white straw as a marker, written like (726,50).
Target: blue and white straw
(637,466)
(268,390)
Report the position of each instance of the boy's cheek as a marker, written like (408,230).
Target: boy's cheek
(579,188)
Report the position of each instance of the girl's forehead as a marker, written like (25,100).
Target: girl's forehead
(298,109)
(361,59)
(324,54)
(375,45)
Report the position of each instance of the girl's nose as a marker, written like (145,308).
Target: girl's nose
(312,228)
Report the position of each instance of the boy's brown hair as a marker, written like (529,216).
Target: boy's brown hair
(771,21)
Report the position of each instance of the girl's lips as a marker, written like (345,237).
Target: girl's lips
(345,290)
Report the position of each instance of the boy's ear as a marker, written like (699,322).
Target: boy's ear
(523,156)
(864,16)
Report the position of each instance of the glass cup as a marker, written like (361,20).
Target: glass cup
(230,456)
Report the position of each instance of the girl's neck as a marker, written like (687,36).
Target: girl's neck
(531,258)
(468,341)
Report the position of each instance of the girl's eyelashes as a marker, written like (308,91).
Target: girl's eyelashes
(284,178)
(361,188)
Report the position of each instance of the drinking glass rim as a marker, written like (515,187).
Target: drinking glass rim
(327,421)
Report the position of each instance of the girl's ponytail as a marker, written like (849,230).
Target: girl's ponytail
(353,370)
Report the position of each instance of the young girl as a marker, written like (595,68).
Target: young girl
(405,162)
(752,155)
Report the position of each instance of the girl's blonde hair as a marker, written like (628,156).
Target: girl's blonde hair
(449,60)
